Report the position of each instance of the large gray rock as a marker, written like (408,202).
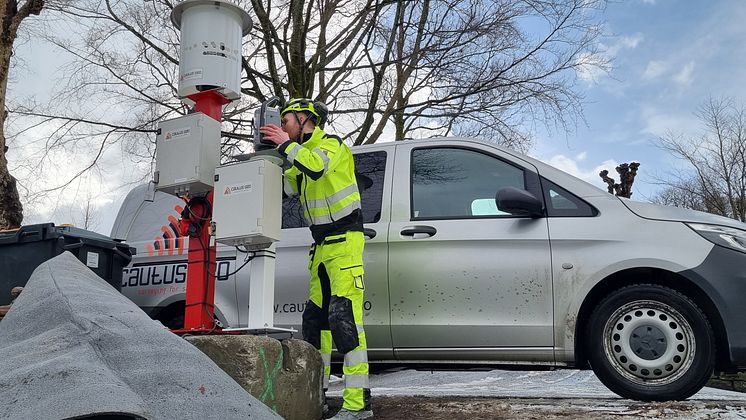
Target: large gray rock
(73,346)
(285,375)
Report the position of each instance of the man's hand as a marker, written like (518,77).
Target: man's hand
(274,134)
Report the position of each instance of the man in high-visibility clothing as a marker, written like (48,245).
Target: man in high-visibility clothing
(323,173)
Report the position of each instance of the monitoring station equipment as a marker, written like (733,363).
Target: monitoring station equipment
(237,204)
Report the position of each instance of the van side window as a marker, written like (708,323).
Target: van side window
(370,169)
(292,213)
(562,203)
(459,183)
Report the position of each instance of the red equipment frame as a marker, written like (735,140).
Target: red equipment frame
(199,313)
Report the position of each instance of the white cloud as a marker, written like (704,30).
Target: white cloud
(649,1)
(593,66)
(686,75)
(570,165)
(654,69)
(101,188)
(657,68)
(657,122)
(629,42)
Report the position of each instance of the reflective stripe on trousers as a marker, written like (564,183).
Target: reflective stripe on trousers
(355,369)
(326,355)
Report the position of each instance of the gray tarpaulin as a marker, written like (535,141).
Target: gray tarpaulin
(72,346)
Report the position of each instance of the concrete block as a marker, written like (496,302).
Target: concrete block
(285,375)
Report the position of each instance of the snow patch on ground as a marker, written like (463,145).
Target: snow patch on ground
(560,384)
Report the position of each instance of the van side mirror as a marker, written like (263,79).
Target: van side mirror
(519,202)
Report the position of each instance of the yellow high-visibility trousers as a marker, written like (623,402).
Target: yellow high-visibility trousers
(335,312)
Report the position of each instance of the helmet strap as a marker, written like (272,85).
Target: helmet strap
(302,135)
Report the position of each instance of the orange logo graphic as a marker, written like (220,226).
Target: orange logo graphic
(171,241)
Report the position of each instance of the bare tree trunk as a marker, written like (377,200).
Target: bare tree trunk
(627,173)
(11,210)
(90,221)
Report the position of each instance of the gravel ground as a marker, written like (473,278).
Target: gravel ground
(451,408)
(485,393)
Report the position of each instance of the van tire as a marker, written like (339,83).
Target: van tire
(650,343)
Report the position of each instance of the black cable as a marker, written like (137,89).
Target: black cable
(207,210)
(253,254)
(207,217)
(205,203)
(249,258)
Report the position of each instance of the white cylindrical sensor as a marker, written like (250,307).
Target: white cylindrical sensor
(211,32)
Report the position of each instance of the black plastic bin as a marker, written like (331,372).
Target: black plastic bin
(22,250)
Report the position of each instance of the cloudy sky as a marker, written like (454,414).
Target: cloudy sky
(668,57)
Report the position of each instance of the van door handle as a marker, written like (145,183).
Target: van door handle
(414,230)
(370,233)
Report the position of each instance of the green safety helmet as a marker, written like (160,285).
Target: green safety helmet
(317,109)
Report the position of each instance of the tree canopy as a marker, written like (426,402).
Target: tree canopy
(388,69)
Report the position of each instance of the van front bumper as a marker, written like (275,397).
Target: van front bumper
(722,276)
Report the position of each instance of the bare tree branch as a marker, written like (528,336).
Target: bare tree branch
(715,180)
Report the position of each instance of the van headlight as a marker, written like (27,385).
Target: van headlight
(720,235)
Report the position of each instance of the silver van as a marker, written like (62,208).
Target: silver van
(477,253)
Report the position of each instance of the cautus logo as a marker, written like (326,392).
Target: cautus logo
(171,241)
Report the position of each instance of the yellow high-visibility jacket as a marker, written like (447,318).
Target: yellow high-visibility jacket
(323,173)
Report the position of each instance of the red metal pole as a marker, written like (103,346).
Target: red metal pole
(200,292)
(195,223)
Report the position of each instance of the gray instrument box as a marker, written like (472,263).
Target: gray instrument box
(188,150)
(248,203)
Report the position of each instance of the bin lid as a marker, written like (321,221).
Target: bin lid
(47,231)
(28,233)
(96,239)
(69,230)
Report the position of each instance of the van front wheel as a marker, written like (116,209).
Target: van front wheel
(650,343)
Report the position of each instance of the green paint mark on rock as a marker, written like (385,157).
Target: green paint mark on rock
(269,377)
